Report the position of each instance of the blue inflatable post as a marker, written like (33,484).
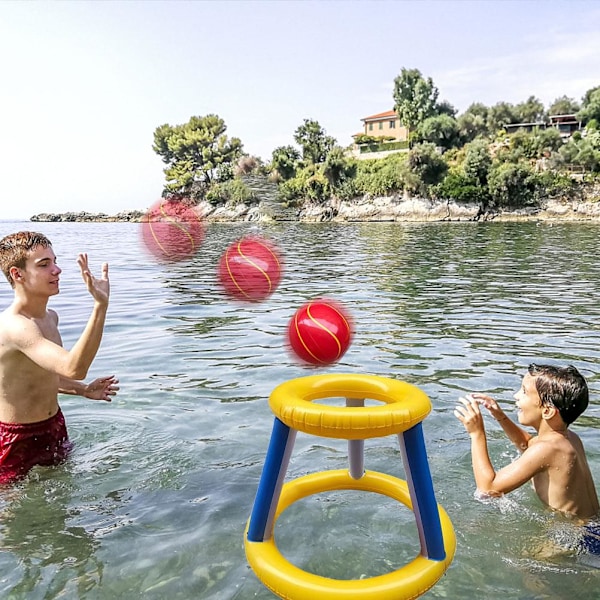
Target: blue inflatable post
(420,485)
(280,449)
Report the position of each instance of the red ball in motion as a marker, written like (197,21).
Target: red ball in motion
(250,269)
(320,332)
(172,231)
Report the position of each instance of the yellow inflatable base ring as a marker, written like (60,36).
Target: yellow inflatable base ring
(291,583)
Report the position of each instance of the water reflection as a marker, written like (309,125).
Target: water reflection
(52,555)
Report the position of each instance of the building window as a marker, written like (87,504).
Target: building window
(370,126)
(380,125)
(392,124)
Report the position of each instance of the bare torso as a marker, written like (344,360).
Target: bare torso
(28,393)
(566,484)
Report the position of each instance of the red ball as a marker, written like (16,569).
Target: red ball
(320,332)
(172,230)
(250,269)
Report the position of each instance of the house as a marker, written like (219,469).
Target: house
(528,127)
(385,125)
(566,125)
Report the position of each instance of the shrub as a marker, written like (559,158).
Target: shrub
(338,168)
(427,165)
(512,185)
(380,177)
(233,191)
(551,184)
(477,162)
(363,138)
(309,183)
(461,188)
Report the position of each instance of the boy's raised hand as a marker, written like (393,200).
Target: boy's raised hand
(491,404)
(98,288)
(468,413)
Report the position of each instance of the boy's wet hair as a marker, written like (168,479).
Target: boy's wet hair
(15,248)
(562,387)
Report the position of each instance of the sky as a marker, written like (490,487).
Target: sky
(83,85)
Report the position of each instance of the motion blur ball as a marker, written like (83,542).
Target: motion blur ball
(172,231)
(250,269)
(320,332)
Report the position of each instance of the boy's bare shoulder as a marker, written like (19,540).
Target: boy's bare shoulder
(8,319)
(550,446)
(15,327)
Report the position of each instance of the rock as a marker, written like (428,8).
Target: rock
(385,208)
(85,217)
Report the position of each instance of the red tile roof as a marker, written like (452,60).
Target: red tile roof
(381,116)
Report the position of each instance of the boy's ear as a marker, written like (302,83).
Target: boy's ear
(15,273)
(549,411)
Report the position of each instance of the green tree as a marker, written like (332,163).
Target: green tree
(591,106)
(285,161)
(530,111)
(547,141)
(580,152)
(338,169)
(478,109)
(425,167)
(588,95)
(415,98)
(473,122)
(314,141)
(196,154)
(445,108)
(563,106)
(478,162)
(461,188)
(441,130)
(500,115)
(512,185)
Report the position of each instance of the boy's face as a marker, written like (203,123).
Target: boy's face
(529,402)
(41,274)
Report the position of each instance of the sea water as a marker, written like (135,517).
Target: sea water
(155,497)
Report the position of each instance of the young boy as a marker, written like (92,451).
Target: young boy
(549,400)
(34,367)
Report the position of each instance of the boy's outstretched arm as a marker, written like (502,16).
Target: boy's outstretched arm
(470,416)
(486,479)
(103,388)
(25,334)
(517,435)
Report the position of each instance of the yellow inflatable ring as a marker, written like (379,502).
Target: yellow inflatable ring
(291,583)
(404,406)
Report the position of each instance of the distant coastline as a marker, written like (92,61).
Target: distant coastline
(384,209)
(83,217)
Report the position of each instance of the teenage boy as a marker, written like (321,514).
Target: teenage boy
(34,366)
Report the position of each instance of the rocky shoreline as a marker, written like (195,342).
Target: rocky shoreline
(384,209)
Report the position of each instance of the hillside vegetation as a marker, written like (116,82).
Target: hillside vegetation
(467,158)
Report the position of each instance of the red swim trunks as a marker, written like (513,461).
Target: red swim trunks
(24,445)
